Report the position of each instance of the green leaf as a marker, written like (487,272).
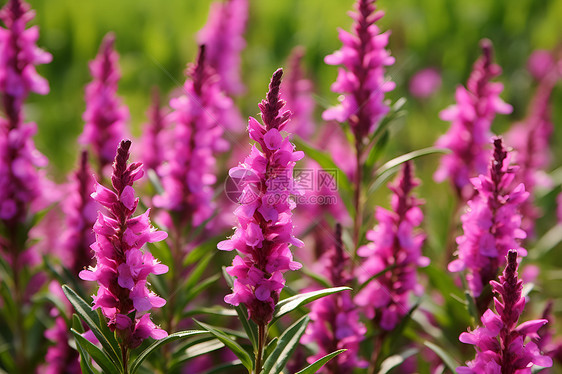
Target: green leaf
(222,368)
(451,363)
(135,365)
(286,345)
(249,326)
(97,354)
(192,293)
(244,357)
(155,181)
(287,305)
(388,169)
(85,364)
(92,319)
(364,284)
(214,310)
(324,282)
(395,360)
(316,365)
(546,243)
(195,350)
(324,159)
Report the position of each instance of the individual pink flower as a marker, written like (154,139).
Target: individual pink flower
(395,245)
(264,231)
(361,79)
(491,224)
(335,319)
(296,90)
(223,35)
(105,116)
(122,268)
(425,83)
(154,144)
(196,120)
(541,63)
(471,118)
(501,344)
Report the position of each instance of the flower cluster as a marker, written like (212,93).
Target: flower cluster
(80,211)
(105,116)
(500,343)
(265,227)
(361,80)
(122,268)
(297,92)
(21,185)
(335,320)
(395,250)
(471,119)
(198,118)
(153,135)
(223,36)
(491,223)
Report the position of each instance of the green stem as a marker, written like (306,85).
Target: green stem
(357,200)
(125,355)
(261,344)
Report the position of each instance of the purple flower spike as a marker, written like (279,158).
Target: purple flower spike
(297,91)
(224,37)
(395,244)
(105,115)
(361,79)
(153,142)
(500,342)
(335,319)
(61,357)
(81,211)
(122,268)
(21,186)
(471,119)
(491,223)
(198,118)
(265,227)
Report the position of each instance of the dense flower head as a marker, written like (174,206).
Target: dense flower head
(22,186)
(491,223)
(471,118)
(197,118)
(80,211)
(264,232)
(296,90)
(153,134)
(224,37)
(531,142)
(105,116)
(395,246)
(335,319)
(361,80)
(501,345)
(122,268)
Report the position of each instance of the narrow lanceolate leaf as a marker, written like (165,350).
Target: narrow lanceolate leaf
(286,345)
(195,350)
(395,360)
(85,365)
(135,365)
(85,312)
(372,278)
(316,365)
(97,354)
(244,357)
(287,305)
(451,363)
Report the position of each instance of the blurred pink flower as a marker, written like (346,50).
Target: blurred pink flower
(541,63)
(425,83)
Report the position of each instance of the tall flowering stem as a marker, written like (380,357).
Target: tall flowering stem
(362,83)
(122,268)
(80,210)
(23,188)
(335,320)
(491,225)
(500,342)
(153,142)
(394,250)
(105,116)
(224,37)
(264,231)
(471,118)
